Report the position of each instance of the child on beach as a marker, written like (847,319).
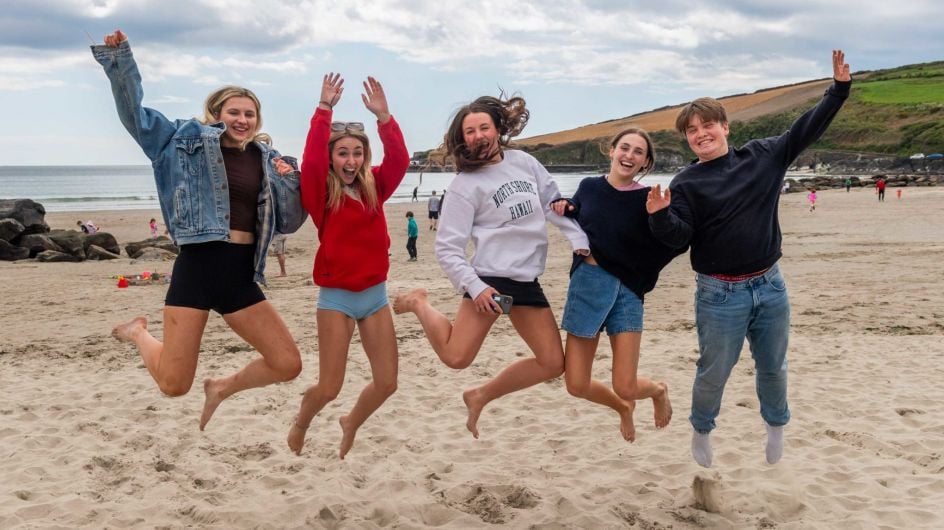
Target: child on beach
(345,197)
(152,224)
(222,244)
(811,196)
(608,286)
(412,233)
(500,200)
(726,206)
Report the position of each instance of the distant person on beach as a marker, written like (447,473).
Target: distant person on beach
(500,200)
(87,227)
(898,193)
(345,197)
(786,187)
(412,233)
(433,208)
(278,248)
(880,189)
(725,206)
(848,184)
(152,225)
(608,286)
(811,196)
(416,191)
(222,245)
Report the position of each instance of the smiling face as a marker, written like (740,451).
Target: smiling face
(480,135)
(241,117)
(707,139)
(347,158)
(628,157)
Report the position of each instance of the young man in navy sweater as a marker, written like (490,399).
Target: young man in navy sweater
(725,206)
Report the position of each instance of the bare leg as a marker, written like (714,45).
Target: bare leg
(578,362)
(262,327)
(335,330)
(281,258)
(456,345)
(538,329)
(380,344)
(172,363)
(630,387)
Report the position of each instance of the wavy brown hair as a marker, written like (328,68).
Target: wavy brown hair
(364,181)
(509,116)
(708,109)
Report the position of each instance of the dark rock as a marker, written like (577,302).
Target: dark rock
(9,252)
(71,241)
(53,256)
(154,254)
(103,240)
(30,214)
(10,228)
(37,243)
(161,242)
(95,252)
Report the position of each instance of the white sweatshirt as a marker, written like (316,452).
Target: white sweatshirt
(503,208)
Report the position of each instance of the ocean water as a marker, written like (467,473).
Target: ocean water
(82,188)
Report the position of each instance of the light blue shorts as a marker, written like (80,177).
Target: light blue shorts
(596,300)
(355,304)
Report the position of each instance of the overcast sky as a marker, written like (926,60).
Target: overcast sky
(575,62)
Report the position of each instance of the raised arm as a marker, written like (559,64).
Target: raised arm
(314,179)
(396,160)
(670,220)
(810,126)
(149,128)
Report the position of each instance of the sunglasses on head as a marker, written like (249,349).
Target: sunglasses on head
(338,126)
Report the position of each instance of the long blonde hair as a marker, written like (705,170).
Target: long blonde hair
(213,106)
(364,182)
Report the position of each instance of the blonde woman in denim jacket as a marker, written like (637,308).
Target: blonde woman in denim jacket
(224,193)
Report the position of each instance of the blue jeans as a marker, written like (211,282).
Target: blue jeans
(726,313)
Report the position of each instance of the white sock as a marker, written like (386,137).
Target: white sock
(774,448)
(701,448)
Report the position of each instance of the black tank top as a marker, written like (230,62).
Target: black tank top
(244,175)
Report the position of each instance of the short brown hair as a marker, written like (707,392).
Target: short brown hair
(708,109)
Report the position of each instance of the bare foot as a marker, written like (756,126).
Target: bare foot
(627,427)
(348,432)
(213,392)
(296,437)
(129,330)
(407,302)
(475,405)
(662,407)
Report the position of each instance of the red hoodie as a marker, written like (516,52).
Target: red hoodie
(353,239)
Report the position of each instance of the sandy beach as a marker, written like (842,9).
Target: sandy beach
(87,440)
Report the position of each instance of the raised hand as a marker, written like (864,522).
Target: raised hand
(115,39)
(656,201)
(375,99)
(331,89)
(840,67)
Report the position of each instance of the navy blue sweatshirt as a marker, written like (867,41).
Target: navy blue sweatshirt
(727,208)
(620,240)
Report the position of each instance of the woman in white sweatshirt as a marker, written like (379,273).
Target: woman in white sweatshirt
(500,200)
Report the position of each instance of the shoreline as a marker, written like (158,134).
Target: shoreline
(90,441)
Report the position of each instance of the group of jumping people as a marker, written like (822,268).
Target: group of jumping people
(225,193)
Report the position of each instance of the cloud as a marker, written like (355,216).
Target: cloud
(578,42)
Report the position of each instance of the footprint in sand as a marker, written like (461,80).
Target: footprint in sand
(707,492)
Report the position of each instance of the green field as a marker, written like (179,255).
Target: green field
(920,90)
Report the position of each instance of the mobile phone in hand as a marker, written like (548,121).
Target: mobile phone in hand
(504,301)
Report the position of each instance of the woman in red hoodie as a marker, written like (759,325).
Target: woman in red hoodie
(344,196)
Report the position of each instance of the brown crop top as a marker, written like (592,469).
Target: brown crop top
(244,175)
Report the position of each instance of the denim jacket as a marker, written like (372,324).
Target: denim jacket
(189,171)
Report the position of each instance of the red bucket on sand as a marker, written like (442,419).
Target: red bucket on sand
(122,282)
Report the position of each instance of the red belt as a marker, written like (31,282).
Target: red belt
(738,277)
